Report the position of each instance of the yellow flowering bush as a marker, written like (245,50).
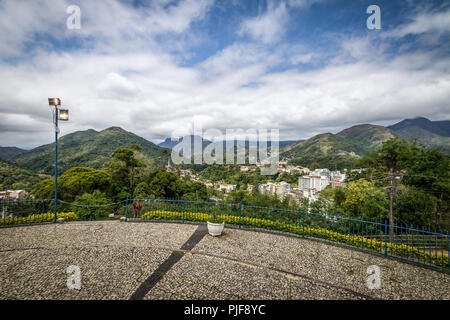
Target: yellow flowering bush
(39,218)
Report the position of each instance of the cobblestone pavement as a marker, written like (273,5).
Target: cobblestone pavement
(115,259)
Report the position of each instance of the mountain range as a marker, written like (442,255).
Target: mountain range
(355,141)
(430,133)
(7,153)
(171,143)
(342,149)
(87,148)
(93,148)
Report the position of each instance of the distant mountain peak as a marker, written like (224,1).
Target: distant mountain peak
(7,153)
(87,148)
(440,128)
(172,142)
(113,129)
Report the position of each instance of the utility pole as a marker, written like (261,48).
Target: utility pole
(391,200)
(392,189)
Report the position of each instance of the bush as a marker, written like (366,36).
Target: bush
(92,206)
(39,218)
(215,218)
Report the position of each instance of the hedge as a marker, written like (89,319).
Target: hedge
(354,240)
(39,218)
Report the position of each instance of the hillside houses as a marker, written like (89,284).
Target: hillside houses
(281,189)
(13,194)
(310,184)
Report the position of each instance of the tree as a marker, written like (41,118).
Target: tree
(13,177)
(74,182)
(44,189)
(320,205)
(123,169)
(195,191)
(135,147)
(388,163)
(414,207)
(427,176)
(142,190)
(364,199)
(165,184)
(339,197)
(92,206)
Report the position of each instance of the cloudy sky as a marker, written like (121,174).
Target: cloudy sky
(155,67)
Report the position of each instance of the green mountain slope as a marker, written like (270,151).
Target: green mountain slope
(424,137)
(435,134)
(84,149)
(323,145)
(7,153)
(337,151)
(15,178)
(440,128)
(369,135)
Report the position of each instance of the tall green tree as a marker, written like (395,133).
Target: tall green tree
(388,163)
(123,168)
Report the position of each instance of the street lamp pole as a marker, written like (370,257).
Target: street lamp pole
(58,114)
(56,163)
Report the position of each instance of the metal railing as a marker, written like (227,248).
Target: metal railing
(409,243)
(26,212)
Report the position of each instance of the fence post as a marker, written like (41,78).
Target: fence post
(240,214)
(126,209)
(184,208)
(385,239)
(303,222)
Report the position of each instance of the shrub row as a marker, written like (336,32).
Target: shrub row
(402,250)
(39,218)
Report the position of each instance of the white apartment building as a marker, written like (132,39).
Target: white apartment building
(279,188)
(226,187)
(317,183)
(337,176)
(322,172)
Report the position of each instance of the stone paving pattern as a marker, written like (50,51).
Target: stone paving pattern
(115,258)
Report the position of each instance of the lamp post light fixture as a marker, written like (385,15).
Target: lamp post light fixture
(54,102)
(63,115)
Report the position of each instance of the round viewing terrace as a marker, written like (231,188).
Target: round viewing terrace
(119,260)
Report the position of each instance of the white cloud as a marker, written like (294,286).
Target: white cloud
(301,58)
(116,86)
(438,22)
(268,27)
(21,21)
(302,3)
(111,25)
